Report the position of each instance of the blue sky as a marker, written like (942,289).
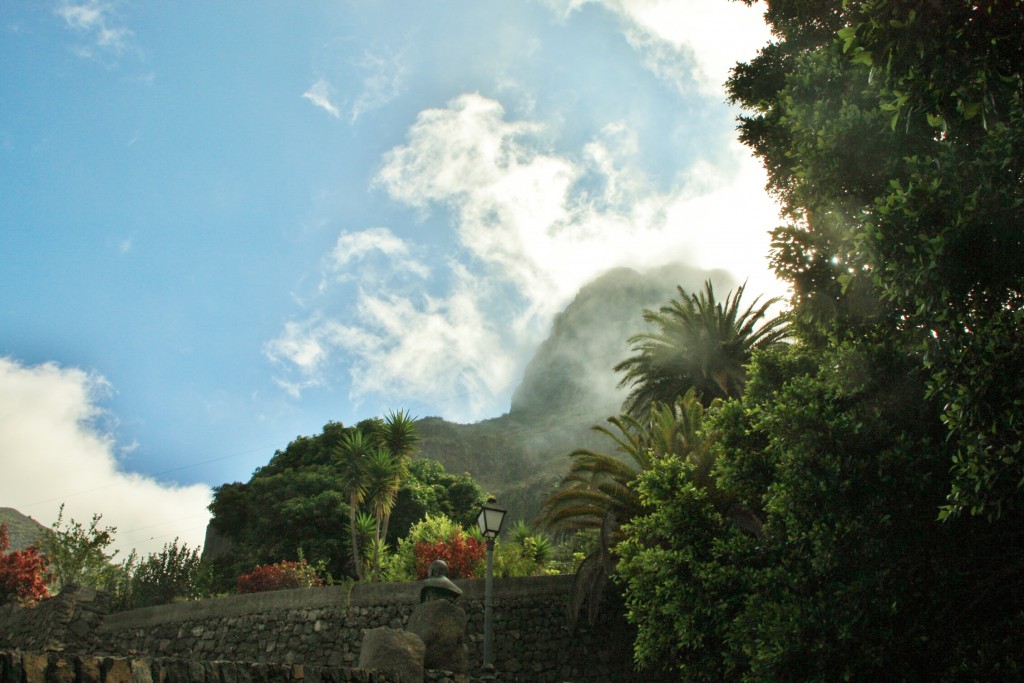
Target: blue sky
(225,224)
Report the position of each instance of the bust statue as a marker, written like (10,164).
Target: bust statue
(437,585)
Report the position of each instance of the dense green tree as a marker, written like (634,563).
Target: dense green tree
(429,489)
(852,577)
(598,492)
(296,507)
(174,573)
(296,511)
(699,343)
(881,450)
(894,135)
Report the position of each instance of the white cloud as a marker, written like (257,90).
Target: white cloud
(52,450)
(98,23)
(685,42)
(384,80)
(320,95)
(535,226)
(353,247)
(712,35)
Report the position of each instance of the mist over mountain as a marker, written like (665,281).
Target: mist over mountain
(571,372)
(568,386)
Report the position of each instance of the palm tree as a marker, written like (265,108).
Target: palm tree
(400,437)
(698,343)
(372,466)
(384,474)
(597,492)
(351,455)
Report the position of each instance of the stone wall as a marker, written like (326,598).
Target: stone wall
(74,616)
(323,627)
(52,667)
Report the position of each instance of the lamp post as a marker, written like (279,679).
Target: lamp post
(490,519)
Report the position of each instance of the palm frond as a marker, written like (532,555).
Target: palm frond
(697,342)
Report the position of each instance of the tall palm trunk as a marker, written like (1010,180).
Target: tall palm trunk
(353,504)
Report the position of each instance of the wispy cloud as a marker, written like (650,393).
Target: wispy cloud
(384,78)
(56,451)
(686,43)
(354,247)
(97,22)
(320,95)
(533,227)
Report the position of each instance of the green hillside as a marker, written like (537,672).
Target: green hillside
(23,531)
(567,388)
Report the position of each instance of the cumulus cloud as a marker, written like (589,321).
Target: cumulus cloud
(320,95)
(97,22)
(533,227)
(713,36)
(54,449)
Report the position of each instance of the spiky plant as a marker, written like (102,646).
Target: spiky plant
(697,343)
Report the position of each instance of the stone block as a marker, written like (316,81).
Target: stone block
(116,670)
(61,670)
(388,649)
(34,667)
(89,670)
(442,628)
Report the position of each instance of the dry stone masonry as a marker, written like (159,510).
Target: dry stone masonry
(264,636)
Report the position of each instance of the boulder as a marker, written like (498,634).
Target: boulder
(392,649)
(441,626)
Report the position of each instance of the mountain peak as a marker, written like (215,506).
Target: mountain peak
(572,370)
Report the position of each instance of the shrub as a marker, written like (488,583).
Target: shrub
(280,576)
(22,573)
(175,572)
(401,565)
(462,553)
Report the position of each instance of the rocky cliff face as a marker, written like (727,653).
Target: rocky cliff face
(572,371)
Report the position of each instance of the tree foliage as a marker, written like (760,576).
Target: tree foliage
(894,135)
(22,573)
(174,573)
(881,450)
(79,554)
(852,577)
(279,576)
(462,553)
(300,503)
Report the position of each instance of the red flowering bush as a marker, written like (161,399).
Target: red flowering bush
(22,573)
(280,576)
(462,553)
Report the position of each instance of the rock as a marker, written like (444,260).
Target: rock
(391,649)
(117,670)
(442,628)
(34,666)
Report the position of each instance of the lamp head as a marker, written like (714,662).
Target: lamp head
(490,518)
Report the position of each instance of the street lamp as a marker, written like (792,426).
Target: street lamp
(490,519)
